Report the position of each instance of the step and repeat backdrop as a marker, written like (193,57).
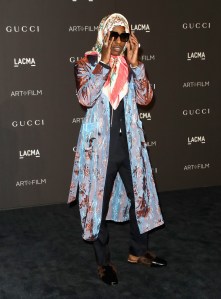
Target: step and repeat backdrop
(40,116)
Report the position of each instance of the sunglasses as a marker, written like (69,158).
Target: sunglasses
(124,37)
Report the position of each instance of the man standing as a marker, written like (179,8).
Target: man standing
(112,167)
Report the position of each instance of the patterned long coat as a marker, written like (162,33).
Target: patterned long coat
(91,157)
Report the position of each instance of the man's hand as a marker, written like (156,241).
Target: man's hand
(106,49)
(132,50)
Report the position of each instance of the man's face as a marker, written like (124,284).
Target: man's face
(118,45)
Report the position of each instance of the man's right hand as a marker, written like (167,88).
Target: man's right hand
(106,49)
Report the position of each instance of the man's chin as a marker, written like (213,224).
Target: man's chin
(116,53)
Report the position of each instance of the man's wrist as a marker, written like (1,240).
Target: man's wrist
(104,62)
(134,65)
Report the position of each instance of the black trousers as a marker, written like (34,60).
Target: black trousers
(119,162)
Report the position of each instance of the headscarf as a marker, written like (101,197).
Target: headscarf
(116,86)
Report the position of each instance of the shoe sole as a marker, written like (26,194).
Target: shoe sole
(132,262)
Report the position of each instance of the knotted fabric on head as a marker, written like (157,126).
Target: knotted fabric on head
(116,86)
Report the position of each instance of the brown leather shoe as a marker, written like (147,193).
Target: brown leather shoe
(108,274)
(149,259)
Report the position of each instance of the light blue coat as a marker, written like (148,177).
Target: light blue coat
(91,157)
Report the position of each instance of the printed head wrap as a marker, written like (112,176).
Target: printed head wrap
(107,24)
(116,86)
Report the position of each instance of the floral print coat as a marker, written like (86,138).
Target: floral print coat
(91,157)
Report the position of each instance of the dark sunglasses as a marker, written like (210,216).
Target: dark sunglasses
(124,37)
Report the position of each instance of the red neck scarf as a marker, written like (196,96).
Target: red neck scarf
(116,86)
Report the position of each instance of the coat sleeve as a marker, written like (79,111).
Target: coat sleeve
(89,83)
(143,89)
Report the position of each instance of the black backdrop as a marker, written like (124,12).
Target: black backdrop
(40,116)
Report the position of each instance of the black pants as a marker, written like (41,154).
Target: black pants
(119,162)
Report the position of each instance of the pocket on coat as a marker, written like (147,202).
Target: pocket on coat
(141,132)
(89,134)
